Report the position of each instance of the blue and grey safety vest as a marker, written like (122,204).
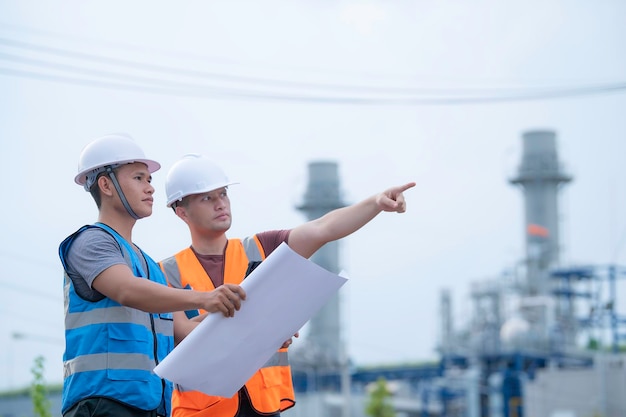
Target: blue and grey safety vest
(111,350)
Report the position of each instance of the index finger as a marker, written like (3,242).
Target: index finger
(406,186)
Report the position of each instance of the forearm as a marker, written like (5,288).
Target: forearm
(155,298)
(183,326)
(342,222)
(118,283)
(339,223)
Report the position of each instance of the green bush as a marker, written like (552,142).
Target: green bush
(38,390)
(379,404)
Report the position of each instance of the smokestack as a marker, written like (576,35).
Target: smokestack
(322,195)
(540,176)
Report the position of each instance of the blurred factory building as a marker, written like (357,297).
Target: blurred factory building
(544,341)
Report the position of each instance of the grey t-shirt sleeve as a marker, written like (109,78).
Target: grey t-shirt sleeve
(92,251)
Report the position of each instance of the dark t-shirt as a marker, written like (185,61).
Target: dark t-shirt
(214,264)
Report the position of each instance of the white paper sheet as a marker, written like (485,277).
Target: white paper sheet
(221,353)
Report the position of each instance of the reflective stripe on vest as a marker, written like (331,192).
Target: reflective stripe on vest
(111,349)
(252,249)
(270,388)
(98,361)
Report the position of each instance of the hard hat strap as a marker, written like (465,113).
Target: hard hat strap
(92,176)
(116,184)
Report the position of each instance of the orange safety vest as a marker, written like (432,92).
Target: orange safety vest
(271,388)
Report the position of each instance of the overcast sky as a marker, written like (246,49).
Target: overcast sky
(433,92)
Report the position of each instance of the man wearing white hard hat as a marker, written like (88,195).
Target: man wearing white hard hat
(118,320)
(197,190)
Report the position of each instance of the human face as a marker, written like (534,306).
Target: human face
(135,181)
(209,211)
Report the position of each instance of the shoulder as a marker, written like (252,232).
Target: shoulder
(272,239)
(94,236)
(93,244)
(91,251)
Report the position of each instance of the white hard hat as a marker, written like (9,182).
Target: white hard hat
(193,174)
(113,149)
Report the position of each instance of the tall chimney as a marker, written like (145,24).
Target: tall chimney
(322,195)
(540,175)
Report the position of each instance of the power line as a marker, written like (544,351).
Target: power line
(205,92)
(220,77)
(40,320)
(365,95)
(31,292)
(31,260)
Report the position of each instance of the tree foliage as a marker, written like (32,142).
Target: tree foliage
(379,404)
(38,391)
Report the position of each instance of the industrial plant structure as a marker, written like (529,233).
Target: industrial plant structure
(542,342)
(536,345)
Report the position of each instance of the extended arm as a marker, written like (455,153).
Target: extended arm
(309,237)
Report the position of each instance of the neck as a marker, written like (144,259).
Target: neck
(205,245)
(122,225)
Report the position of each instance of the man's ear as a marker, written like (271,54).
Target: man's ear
(181,212)
(106,185)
